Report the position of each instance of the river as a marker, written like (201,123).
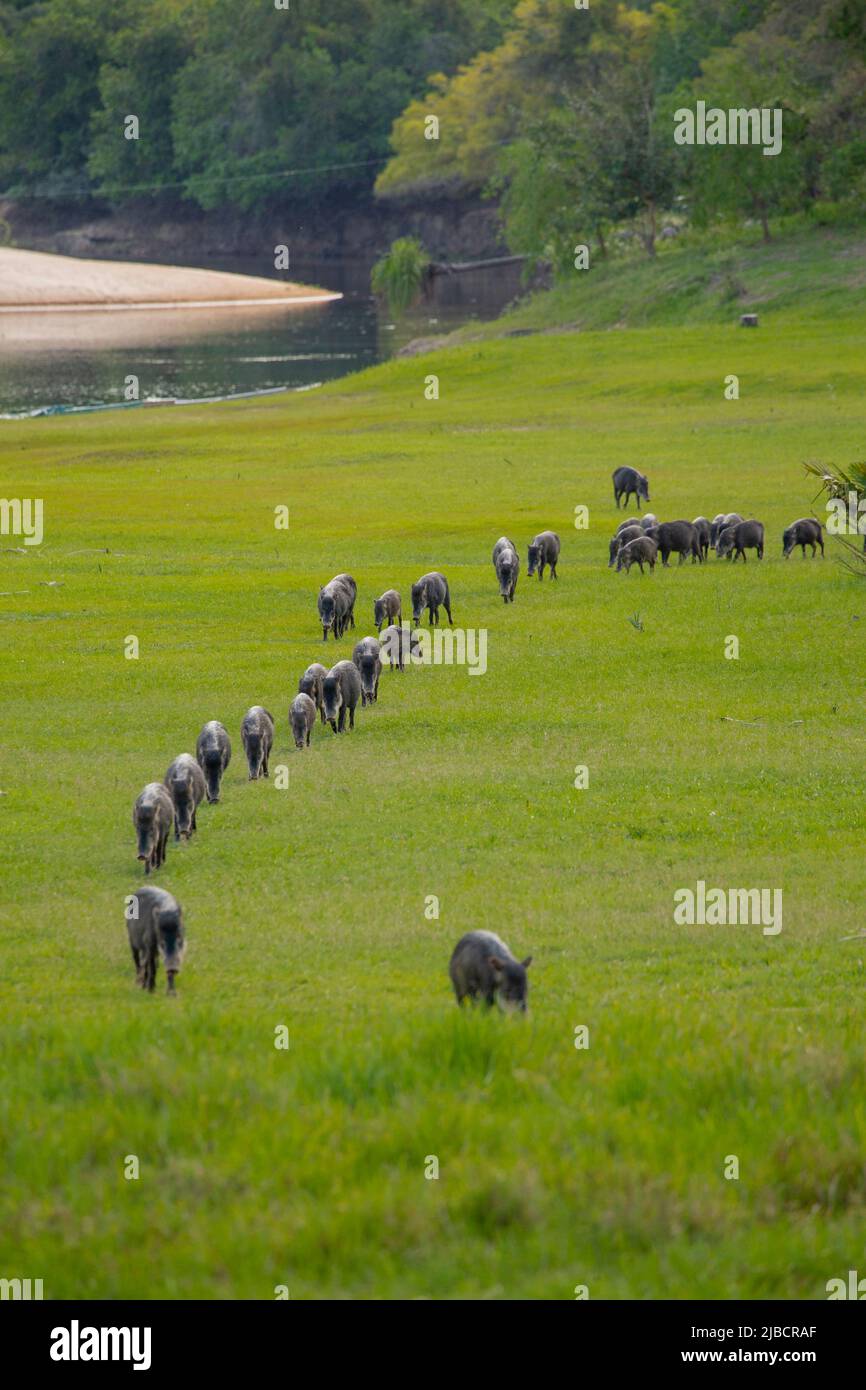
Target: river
(65,360)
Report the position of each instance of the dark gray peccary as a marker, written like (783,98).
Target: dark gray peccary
(679,536)
(186,787)
(804,532)
(311,684)
(506,562)
(341,690)
(387,609)
(543,550)
(431,592)
(213,753)
(155,933)
(482,967)
(635,552)
(736,540)
(367,658)
(718,524)
(152,816)
(627,482)
(302,717)
(257,736)
(702,526)
(622,537)
(397,644)
(337,605)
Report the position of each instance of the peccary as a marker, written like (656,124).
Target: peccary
(340,691)
(431,592)
(311,684)
(152,816)
(482,967)
(387,609)
(186,787)
(736,540)
(506,562)
(543,550)
(257,736)
(368,661)
(398,644)
(337,605)
(680,536)
(622,537)
(635,552)
(627,482)
(155,933)
(702,526)
(302,717)
(719,523)
(213,753)
(648,520)
(804,532)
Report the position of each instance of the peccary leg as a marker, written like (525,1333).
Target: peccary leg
(351,716)
(333,724)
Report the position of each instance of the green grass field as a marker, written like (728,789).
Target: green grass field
(306,907)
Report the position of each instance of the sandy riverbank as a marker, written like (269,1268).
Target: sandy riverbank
(33,282)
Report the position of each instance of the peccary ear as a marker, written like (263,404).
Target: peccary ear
(495,962)
(526,963)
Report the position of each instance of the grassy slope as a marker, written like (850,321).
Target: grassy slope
(305,907)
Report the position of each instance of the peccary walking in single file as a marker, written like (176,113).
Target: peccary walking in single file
(702,526)
(341,690)
(804,532)
(152,816)
(337,605)
(185,784)
(622,537)
(366,657)
(387,609)
(213,752)
(506,562)
(718,524)
(302,717)
(482,967)
(736,540)
(431,592)
(627,482)
(311,684)
(257,736)
(636,552)
(543,550)
(154,923)
(398,645)
(676,536)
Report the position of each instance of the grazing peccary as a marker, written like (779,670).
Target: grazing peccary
(337,605)
(736,540)
(366,657)
(387,609)
(257,736)
(302,717)
(311,684)
(543,550)
(398,644)
(185,783)
(213,753)
(627,482)
(680,536)
(340,691)
(804,532)
(482,967)
(635,552)
(431,592)
(506,562)
(702,526)
(155,933)
(718,524)
(152,816)
(622,537)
